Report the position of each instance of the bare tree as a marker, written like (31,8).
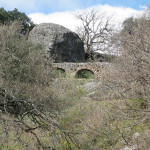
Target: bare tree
(135,49)
(26,103)
(95,30)
(131,73)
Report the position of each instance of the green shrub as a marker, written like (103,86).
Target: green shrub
(85,74)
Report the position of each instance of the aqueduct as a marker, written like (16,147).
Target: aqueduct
(71,69)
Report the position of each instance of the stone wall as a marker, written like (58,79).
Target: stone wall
(71,69)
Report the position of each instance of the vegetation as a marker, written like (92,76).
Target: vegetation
(87,74)
(41,112)
(133,66)
(10,16)
(95,31)
(60,73)
(27,106)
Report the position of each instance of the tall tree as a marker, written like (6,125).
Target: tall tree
(10,16)
(3,15)
(132,73)
(95,30)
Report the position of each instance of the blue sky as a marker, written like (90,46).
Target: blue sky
(135,4)
(50,6)
(62,11)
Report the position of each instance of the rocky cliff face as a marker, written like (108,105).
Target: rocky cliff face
(59,42)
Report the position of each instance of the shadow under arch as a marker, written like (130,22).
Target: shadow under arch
(60,73)
(85,73)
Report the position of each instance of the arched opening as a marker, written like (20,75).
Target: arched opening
(60,73)
(85,73)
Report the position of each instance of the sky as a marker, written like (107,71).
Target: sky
(62,11)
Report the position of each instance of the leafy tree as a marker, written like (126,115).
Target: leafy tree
(3,15)
(10,16)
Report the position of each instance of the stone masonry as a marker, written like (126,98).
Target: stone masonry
(71,69)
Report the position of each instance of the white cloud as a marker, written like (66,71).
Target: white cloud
(68,19)
(65,18)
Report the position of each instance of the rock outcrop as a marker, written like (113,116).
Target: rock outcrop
(60,43)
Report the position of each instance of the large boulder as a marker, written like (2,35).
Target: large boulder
(60,43)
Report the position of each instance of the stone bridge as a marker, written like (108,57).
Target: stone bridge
(72,69)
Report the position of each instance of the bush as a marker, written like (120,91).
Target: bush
(85,74)
(27,107)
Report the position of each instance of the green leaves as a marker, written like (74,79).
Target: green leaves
(10,16)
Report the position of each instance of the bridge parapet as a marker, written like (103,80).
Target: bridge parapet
(71,69)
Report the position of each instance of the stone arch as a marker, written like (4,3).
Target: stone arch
(85,73)
(60,73)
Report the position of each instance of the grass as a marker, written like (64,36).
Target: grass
(104,125)
(60,73)
(87,74)
(95,125)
